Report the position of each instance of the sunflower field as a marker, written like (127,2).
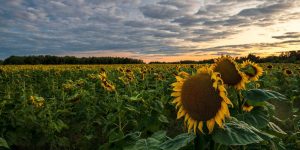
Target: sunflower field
(225,105)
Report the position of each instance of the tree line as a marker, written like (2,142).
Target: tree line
(284,57)
(47,59)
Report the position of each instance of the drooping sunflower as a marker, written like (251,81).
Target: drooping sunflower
(252,70)
(105,83)
(108,86)
(201,99)
(230,73)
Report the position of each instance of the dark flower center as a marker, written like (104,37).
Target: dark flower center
(229,72)
(199,98)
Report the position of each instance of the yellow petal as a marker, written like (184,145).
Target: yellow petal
(222,89)
(176,100)
(210,125)
(195,127)
(225,109)
(190,124)
(227,101)
(177,88)
(218,119)
(215,85)
(176,84)
(180,113)
(200,126)
(178,78)
(182,73)
(176,94)
(178,105)
(186,117)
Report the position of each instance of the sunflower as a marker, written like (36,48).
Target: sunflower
(37,101)
(201,99)
(230,73)
(288,72)
(102,70)
(102,76)
(269,66)
(108,86)
(247,107)
(105,83)
(252,70)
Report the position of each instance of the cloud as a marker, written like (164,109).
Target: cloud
(160,11)
(136,24)
(263,10)
(149,28)
(288,35)
(257,47)
(209,35)
(189,20)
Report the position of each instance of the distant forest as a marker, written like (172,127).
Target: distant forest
(284,57)
(34,60)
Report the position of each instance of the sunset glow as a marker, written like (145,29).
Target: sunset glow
(152,30)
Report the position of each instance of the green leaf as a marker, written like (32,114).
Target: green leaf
(178,142)
(132,109)
(163,119)
(256,97)
(152,142)
(258,117)
(277,144)
(148,144)
(276,130)
(160,135)
(3,143)
(115,136)
(239,133)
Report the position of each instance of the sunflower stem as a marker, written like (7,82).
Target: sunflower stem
(199,142)
(239,102)
(212,144)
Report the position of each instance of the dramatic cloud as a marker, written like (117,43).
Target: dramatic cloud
(288,35)
(160,12)
(148,29)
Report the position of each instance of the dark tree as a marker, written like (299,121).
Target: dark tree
(284,57)
(33,60)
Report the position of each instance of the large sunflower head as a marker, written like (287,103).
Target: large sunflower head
(230,73)
(201,99)
(252,70)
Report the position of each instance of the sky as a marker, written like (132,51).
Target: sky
(151,30)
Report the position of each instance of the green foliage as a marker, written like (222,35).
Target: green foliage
(256,97)
(160,141)
(258,117)
(78,113)
(178,142)
(3,143)
(239,133)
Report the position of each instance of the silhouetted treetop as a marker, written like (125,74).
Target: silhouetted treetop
(68,60)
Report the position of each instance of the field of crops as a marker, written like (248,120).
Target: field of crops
(132,107)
